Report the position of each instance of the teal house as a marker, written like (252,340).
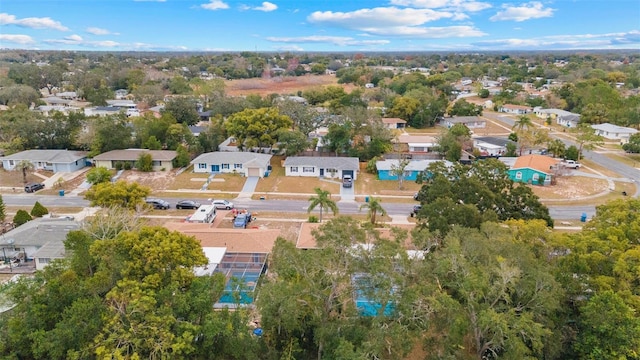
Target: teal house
(531,169)
(387,168)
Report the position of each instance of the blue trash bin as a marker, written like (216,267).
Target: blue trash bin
(583,217)
(61,192)
(366,199)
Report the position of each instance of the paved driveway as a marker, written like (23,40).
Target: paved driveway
(347,194)
(249,187)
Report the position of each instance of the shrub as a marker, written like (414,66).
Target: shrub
(38,210)
(145,162)
(313,219)
(21,217)
(118,165)
(127,166)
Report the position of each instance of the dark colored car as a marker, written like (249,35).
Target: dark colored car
(416,210)
(241,221)
(158,204)
(187,204)
(33,187)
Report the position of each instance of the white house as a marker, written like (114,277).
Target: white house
(491,146)
(394,123)
(415,144)
(52,160)
(614,132)
(322,166)
(245,163)
(472,122)
(516,109)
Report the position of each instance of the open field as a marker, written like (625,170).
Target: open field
(283,85)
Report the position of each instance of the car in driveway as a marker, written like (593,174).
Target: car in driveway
(33,187)
(158,204)
(223,204)
(187,204)
(416,209)
(241,221)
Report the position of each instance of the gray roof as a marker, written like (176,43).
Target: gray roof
(414,165)
(324,162)
(614,128)
(233,157)
(134,154)
(494,140)
(39,232)
(464,119)
(52,250)
(51,156)
(557,112)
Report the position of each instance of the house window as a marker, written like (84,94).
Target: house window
(156,163)
(237,166)
(294,169)
(202,166)
(225,166)
(11,163)
(307,169)
(44,260)
(519,175)
(535,177)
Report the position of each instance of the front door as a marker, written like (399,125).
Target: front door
(321,172)
(215,168)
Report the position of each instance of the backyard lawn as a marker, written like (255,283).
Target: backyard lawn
(368,184)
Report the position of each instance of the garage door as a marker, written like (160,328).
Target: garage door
(348,172)
(254,171)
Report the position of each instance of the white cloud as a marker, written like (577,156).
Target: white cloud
(428,32)
(530,10)
(18,39)
(628,40)
(99,31)
(335,40)
(215,5)
(32,22)
(377,17)
(266,7)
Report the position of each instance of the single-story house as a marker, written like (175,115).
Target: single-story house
(516,109)
(162,159)
(245,163)
(51,160)
(415,144)
(41,240)
(56,101)
(491,146)
(614,132)
(472,122)
(571,120)
(102,111)
(386,168)
(532,169)
(322,166)
(394,123)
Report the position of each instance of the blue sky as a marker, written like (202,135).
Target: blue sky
(312,25)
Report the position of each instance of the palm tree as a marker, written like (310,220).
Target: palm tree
(24,165)
(523,123)
(556,147)
(375,208)
(323,200)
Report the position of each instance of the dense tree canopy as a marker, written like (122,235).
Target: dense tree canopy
(257,127)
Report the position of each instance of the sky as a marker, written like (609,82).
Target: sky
(319,25)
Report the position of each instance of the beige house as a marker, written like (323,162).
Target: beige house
(162,159)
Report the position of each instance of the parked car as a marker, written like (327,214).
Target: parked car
(158,204)
(241,221)
(572,164)
(415,196)
(33,187)
(187,204)
(223,204)
(347,181)
(416,210)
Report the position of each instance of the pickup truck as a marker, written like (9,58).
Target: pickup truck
(347,181)
(572,164)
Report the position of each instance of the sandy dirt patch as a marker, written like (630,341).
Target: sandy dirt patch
(285,85)
(156,180)
(572,187)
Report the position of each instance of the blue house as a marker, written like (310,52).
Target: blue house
(386,168)
(531,169)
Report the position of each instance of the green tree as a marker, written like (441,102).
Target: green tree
(323,201)
(398,170)
(38,210)
(338,138)
(586,138)
(182,157)
(556,147)
(21,217)
(24,166)
(374,207)
(633,146)
(3,213)
(99,174)
(452,141)
(257,127)
(572,153)
(183,109)
(18,94)
(464,108)
(145,162)
(121,193)
(292,142)
(152,143)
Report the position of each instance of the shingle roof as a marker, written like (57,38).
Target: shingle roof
(540,163)
(134,154)
(393,121)
(235,240)
(324,162)
(464,119)
(414,165)
(405,139)
(40,231)
(233,157)
(614,128)
(51,156)
(512,106)
(494,140)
